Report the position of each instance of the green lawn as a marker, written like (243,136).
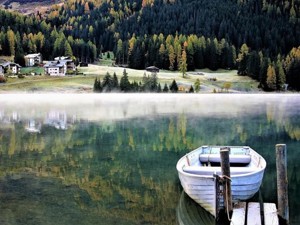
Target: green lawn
(49,84)
(30,70)
(107,59)
(84,83)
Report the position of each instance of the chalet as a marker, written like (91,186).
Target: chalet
(152,69)
(33,59)
(59,67)
(13,67)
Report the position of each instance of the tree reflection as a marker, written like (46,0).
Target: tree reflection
(126,168)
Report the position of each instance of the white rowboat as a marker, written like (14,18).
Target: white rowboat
(197,172)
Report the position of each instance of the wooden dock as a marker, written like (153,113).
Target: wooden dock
(251,214)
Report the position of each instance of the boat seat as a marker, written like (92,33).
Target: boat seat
(215,158)
(209,171)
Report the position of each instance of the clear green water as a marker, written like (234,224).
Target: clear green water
(110,159)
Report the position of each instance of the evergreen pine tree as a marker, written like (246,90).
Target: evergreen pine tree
(213,55)
(153,82)
(146,84)
(174,87)
(124,82)
(135,87)
(68,49)
(120,53)
(166,88)
(115,82)
(263,72)
(158,88)
(107,83)
(190,54)
(97,85)
(253,65)
(292,68)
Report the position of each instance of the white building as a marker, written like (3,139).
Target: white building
(14,67)
(59,67)
(33,59)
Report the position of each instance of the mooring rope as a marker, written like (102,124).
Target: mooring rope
(226,177)
(227,212)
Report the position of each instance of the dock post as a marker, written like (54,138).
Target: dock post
(282,183)
(225,166)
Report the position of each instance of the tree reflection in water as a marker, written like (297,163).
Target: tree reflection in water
(91,160)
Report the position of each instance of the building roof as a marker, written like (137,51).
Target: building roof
(59,63)
(5,64)
(32,55)
(63,58)
(152,68)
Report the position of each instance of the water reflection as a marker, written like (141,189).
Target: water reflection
(188,212)
(32,126)
(117,153)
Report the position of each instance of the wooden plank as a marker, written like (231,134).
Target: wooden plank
(282,182)
(238,214)
(253,217)
(270,214)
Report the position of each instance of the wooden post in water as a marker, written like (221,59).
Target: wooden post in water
(225,166)
(282,182)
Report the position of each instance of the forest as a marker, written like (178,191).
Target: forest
(259,38)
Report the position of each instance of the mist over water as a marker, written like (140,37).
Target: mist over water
(125,106)
(110,158)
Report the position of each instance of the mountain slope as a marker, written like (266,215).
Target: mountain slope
(259,33)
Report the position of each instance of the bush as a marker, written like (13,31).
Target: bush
(71,72)
(2,79)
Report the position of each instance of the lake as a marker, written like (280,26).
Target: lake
(110,158)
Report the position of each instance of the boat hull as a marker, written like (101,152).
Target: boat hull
(203,189)
(188,212)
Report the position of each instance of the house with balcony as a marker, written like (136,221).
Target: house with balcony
(59,67)
(33,59)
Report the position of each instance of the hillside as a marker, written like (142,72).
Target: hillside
(259,38)
(28,7)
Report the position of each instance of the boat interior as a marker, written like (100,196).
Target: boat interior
(208,162)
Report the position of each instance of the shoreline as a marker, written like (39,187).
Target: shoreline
(210,81)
